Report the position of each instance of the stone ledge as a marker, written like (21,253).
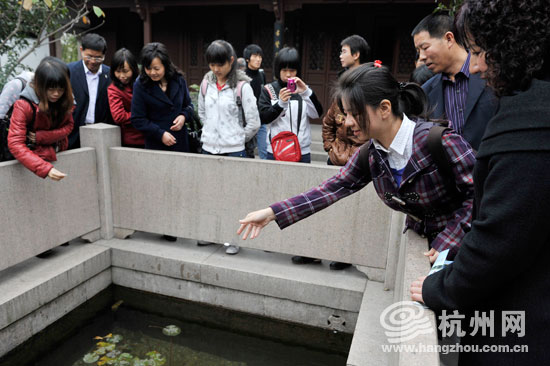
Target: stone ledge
(252,271)
(281,309)
(369,334)
(23,329)
(29,285)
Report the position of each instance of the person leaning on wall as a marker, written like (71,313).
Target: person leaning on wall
(42,120)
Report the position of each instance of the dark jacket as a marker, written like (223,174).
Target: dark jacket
(154,111)
(82,98)
(48,137)
(481,105)
(503,261)
(120,102)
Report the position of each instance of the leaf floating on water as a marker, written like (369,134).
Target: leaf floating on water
(90,358)
(171,330)
(116,338)
(116,305)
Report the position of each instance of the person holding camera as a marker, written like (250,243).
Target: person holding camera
(288,104)
(42,119)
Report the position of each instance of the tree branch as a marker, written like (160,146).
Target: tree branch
(16,29)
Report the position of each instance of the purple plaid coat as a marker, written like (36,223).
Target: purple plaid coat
(430,208)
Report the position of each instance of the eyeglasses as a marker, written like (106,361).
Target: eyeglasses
(59,90)
(92,58)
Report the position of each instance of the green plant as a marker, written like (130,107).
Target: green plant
(106,354)
(27,24)
(450,6)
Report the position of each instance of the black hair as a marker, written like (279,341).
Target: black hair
(287,58)
(53,73)
(94,42)
(421,74)
(219,52)
(356,44)
(151,51)
(368,85)
(498,27)
(252,49)
(436,25)
(117,62)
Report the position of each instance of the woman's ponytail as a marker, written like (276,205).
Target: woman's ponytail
(371,83)
(413,100)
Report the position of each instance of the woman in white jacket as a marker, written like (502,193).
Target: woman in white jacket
(227,108)
(225,131)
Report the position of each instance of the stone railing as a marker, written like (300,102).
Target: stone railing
(37,215)
(113,191)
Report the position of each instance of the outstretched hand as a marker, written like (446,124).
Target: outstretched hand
(56,175)
(253,223)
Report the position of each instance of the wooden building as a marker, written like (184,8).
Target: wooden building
(314,27)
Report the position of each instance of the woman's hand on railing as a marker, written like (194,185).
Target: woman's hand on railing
(253,223)
(56,175)
(416,289)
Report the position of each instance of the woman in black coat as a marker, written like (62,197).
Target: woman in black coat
(503,262)
(161,104)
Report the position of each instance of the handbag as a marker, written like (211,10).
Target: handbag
(194,131)
(286,145)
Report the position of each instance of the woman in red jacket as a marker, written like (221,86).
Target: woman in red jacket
(42,119)
(124,71)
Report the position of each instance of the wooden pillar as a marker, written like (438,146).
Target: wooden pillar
(147,27)
(279,26)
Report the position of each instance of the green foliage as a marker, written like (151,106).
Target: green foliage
(69,47)
(107,354)
(28,24)
(450,6)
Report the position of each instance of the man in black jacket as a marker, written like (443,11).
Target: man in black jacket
(89,80)
(454,93)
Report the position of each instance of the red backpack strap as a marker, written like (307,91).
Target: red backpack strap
(204,86)
(240,89)
(271,91)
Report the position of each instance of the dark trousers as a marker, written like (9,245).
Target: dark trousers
(306,158)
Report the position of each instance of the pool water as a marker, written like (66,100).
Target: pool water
(210,336)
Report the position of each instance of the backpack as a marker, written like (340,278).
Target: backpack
(250,144)
(5,153)
(286,145)
(441,159)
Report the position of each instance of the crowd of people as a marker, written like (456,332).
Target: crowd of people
(462,149)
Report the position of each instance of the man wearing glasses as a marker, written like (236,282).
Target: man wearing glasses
(89,80)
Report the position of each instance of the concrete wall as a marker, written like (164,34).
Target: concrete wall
(110,188)
(203,197)
(37,215)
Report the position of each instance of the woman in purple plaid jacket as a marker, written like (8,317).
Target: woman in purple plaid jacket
(396,160)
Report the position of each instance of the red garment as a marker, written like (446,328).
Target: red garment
(47,139)
(120,102)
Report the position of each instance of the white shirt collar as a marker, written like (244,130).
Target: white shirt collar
(400,150)
(88,72)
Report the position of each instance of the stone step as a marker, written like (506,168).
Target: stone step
(253,281)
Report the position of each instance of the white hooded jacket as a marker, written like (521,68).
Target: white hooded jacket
(222,130)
